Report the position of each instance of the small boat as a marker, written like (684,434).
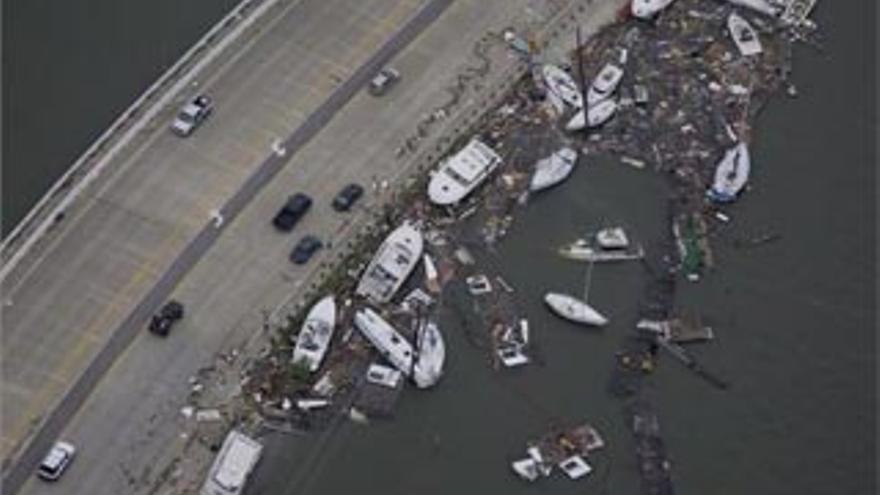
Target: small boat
(461,173)
(394,261)
(512,356)
(574,309)
(597,115)
(432,278)
(526,469)
(317,331)
(553,169)
(430,356)
(575,467)
(762,6)
(605,84)
(731,174)
(744,35)
(562,85)
(393,347)
(646,9)
(609,244)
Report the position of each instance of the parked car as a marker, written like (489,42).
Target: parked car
(384,80)
(305,249)
(162,321)
(56,461)
(192,115)
(347,197)
(292,211)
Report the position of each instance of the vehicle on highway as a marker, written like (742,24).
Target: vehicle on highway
(162,321)
(347,197)
(192,115)
(56,461)
(384,80)
(305,249)
(292,211)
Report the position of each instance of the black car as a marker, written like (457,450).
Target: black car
(347,197)
(162,321)
(296,206)
(305,249)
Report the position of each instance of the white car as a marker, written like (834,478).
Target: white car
(191,115)
(56,461)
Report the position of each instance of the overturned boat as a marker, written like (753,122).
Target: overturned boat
(731,174)
(430,356)
(744,35)
(462,173)
(574,309)
(392,264)
(317,331)
(605,84)
(595,116)
(553,169)
(646,9)
(561,84)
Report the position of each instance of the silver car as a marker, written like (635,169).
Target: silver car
(56,461)
(191,115)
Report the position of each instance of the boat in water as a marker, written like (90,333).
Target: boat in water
(574,309)
(393,347)
(763,6)
(430,356)
(744,35)
(611,244)
(731,174)
(561,84)
(394,261)
(605,84)
(317,331)
(461,173)
(647,9)
(595,116)
(553,169)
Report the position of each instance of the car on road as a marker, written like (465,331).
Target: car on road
(192,115)
(384,80)
(292,211)
(56,461)
(347,197)
(162,321)
(305,249)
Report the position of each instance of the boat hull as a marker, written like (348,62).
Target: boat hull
(731,175)
(431,356)
(316,334)
(393,263)
(574,309)
(553,170)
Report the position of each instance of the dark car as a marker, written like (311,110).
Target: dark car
(347,197)
(305,249)
(162,321)
(296,206)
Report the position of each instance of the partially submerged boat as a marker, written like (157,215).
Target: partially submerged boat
(461,173)
(561,84)
(646,9)
(731,174)
(595,116)
(744,35)
(553,169)
(574,309)
(430,356)
(610,244)
(604,84)
(317,331)
(394,261)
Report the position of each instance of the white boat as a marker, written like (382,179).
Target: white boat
(317,331)
(744,35)
(462,173)
(561,84)
(430,356)
(762,6)
(512,356)
(432,278)
(383,375)
(575,467)
(731,174)
(393,347)
(394,261)
(595,116)
(553,169)
(526,469)
(233,465)
(574,309)
(612,238)
(646,9)
(609,244)
(605,84)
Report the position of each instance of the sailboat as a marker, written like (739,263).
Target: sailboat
(731,174)
(574,309)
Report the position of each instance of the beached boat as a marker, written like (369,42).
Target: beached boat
(609,244)
(462,173)
(430,356)
(562,85)
(237,458)
(595,116)
(646,9)
(605,84)
(553,169)
(317,331)
(731,174)
(744,35)
(393,347)
(432,276)
(763,6)
(392,264)
(574,309)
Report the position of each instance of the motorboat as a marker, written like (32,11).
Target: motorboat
(646,9)
(461,173)
(595,116)
(604,84)
(553,169)
(574,309)
(744,35)
(575,467)
(390,344)
(763,6)
(610,244)
(731,174)
(315,335)
(394,261)
(561,84)
(430,356)
(612,238)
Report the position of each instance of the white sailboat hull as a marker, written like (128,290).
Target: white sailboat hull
(316,334)
(597,115)
(731,175)
(574,309)
(431,356)
(604,84)
(646,9)
(561,84)
(582,251)
(553,169)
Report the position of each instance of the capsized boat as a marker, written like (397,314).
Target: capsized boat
(610,244)
(595,116)
(562,85)
(392,264)
(646,9)
(605,84)
(430,356)
(731,174)
(317,331)
(553,169)
(574,309)
(744,35)
(462,173)
(393,347)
